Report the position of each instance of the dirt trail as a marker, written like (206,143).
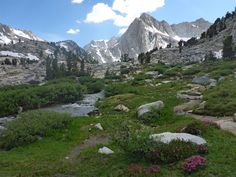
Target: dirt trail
(92,141)
(193,99)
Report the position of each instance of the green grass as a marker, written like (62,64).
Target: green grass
(221,100)
(47,156)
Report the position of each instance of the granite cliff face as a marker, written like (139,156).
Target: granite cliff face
(198,51)
(144,34)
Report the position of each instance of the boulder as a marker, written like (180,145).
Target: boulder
(121,108)
(148,107)
(202,80)
(98,126)
(167,137)
(2,128)
(105,150)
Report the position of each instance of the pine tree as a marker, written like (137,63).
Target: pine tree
(228,51)
(62,69)
(55,69)
(180,43)
(48,68)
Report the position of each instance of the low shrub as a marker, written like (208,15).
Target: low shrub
(30,126)
(193,163)
(195,128)
(202,149)
(139,170)
(172,152)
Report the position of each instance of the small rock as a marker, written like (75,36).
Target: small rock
(2,128)
(221,78)
(148,107)
(202,105)
(67,158)
(122,108)
(154,74)
(105,150)
(234,118)
(166,82)
(167,137)
(98,126)
(20,109)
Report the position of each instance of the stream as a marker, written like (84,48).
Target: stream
(79,108)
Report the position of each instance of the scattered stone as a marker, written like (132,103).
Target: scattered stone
(189,95)
(149,81)
(122,108)
(167,137)
(105,150)
(166,82)
(20,109)
(221,78)
(202,105)
(98,126)
(148,107)
(159,84)
(234,118)
(95,112)
(67,158)
(153,74)
(213,83)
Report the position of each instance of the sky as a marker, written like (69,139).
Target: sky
(86,20)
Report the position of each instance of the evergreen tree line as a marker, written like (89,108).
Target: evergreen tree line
(68,68)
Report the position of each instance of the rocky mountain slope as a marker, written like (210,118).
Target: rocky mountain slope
(144,34)
(29,52)
(197,52)
(12,35)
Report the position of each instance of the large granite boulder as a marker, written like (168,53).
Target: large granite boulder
(148,107)
(167,137)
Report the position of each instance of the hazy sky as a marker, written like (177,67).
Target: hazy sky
(86,20)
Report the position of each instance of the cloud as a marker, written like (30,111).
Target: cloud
(101,12)
(122,31)
(77,1)
(73,31)
(122,12)
(78,21)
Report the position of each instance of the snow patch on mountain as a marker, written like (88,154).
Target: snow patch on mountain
(19,55)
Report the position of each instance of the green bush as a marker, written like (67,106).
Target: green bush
(30,126)
(92,85)
(151,117)
(119,88)
(161,68)
(138,145)
(191,71)
(32,97)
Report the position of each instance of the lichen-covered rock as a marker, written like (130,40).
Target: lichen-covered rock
(148,107)
(167,137)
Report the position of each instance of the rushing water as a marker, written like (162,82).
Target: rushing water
(80,108)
